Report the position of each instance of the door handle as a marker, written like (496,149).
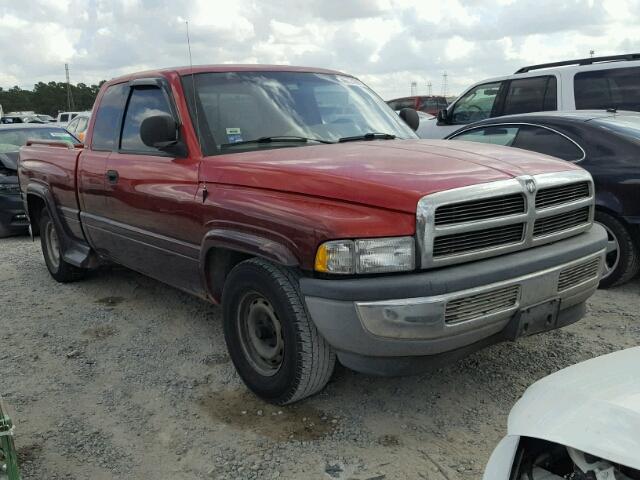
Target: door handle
(112,176)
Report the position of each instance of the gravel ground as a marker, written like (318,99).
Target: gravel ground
(119,376)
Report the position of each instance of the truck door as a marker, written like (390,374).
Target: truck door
(92,163)
(152,216)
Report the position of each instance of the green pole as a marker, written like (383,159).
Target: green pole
(8,457)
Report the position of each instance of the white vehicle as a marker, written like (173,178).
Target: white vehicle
(65,117)
(595,83)
(581,423)
(78,126)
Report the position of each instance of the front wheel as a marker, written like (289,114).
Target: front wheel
(272,342)
(622,260)
(52,251)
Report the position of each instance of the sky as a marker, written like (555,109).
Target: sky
(386,43)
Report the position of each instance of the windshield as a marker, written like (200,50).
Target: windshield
(240,107)
(13,138)
(627,125)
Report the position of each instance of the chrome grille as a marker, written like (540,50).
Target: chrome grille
(493,218)
(480,209)
(548,197)
(577,274)
(560,222)
(478,239)
(481,304)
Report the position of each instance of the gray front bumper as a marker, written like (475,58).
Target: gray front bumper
(404,315)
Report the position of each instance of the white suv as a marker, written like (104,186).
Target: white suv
(590,83)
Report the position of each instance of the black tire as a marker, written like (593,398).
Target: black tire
(305,361)
(628,257)
(60,270)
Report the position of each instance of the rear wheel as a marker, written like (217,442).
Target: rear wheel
(51,249)
(272,342)
(622,260)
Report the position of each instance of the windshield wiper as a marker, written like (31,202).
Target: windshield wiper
(276,139)
(368,136)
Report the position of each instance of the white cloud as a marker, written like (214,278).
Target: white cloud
(387,43)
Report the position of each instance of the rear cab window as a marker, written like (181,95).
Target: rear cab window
(613,88)
(108,116)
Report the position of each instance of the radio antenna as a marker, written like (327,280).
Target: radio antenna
(193,88)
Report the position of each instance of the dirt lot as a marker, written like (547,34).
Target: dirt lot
(119,376)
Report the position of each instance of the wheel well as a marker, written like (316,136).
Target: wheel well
(36,205)
(219,262)
(633,229)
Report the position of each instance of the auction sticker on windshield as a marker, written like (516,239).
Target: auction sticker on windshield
(234,135)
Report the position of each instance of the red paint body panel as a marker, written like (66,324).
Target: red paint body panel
(297,197)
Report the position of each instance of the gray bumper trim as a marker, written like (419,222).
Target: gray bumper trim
(338,320)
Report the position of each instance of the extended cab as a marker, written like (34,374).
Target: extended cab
(300,201)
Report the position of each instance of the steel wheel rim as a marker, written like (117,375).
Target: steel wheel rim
(53,245)
(260,333)
(612,255)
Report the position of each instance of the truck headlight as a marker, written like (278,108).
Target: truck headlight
(372,255)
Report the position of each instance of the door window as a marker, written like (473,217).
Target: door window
(108,117)
(64,117)
(527,137)
(547,141)
(536,94)
(498,135)
(143,102)
(601,89)
(477,104)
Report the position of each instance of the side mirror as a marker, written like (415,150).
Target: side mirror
(410,117)
(159,131)
(443,117)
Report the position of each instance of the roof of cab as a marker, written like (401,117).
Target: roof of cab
(186,70)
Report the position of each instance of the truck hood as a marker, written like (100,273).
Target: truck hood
(593,406)
(391,174)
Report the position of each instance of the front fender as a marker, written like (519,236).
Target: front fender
(247,243)
(243,243)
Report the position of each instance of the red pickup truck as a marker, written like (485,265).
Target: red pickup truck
(303,204)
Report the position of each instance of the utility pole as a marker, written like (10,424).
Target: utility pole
(444,84)
(429,85)
(70,104)
(414,89)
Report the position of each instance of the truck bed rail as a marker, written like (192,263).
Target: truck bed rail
(55,143)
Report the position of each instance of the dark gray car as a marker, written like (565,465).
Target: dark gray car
(13,220)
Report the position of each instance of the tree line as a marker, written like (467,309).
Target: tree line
(48,98)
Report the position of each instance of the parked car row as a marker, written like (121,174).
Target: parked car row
(329,232)
(597,83)
(348,229)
